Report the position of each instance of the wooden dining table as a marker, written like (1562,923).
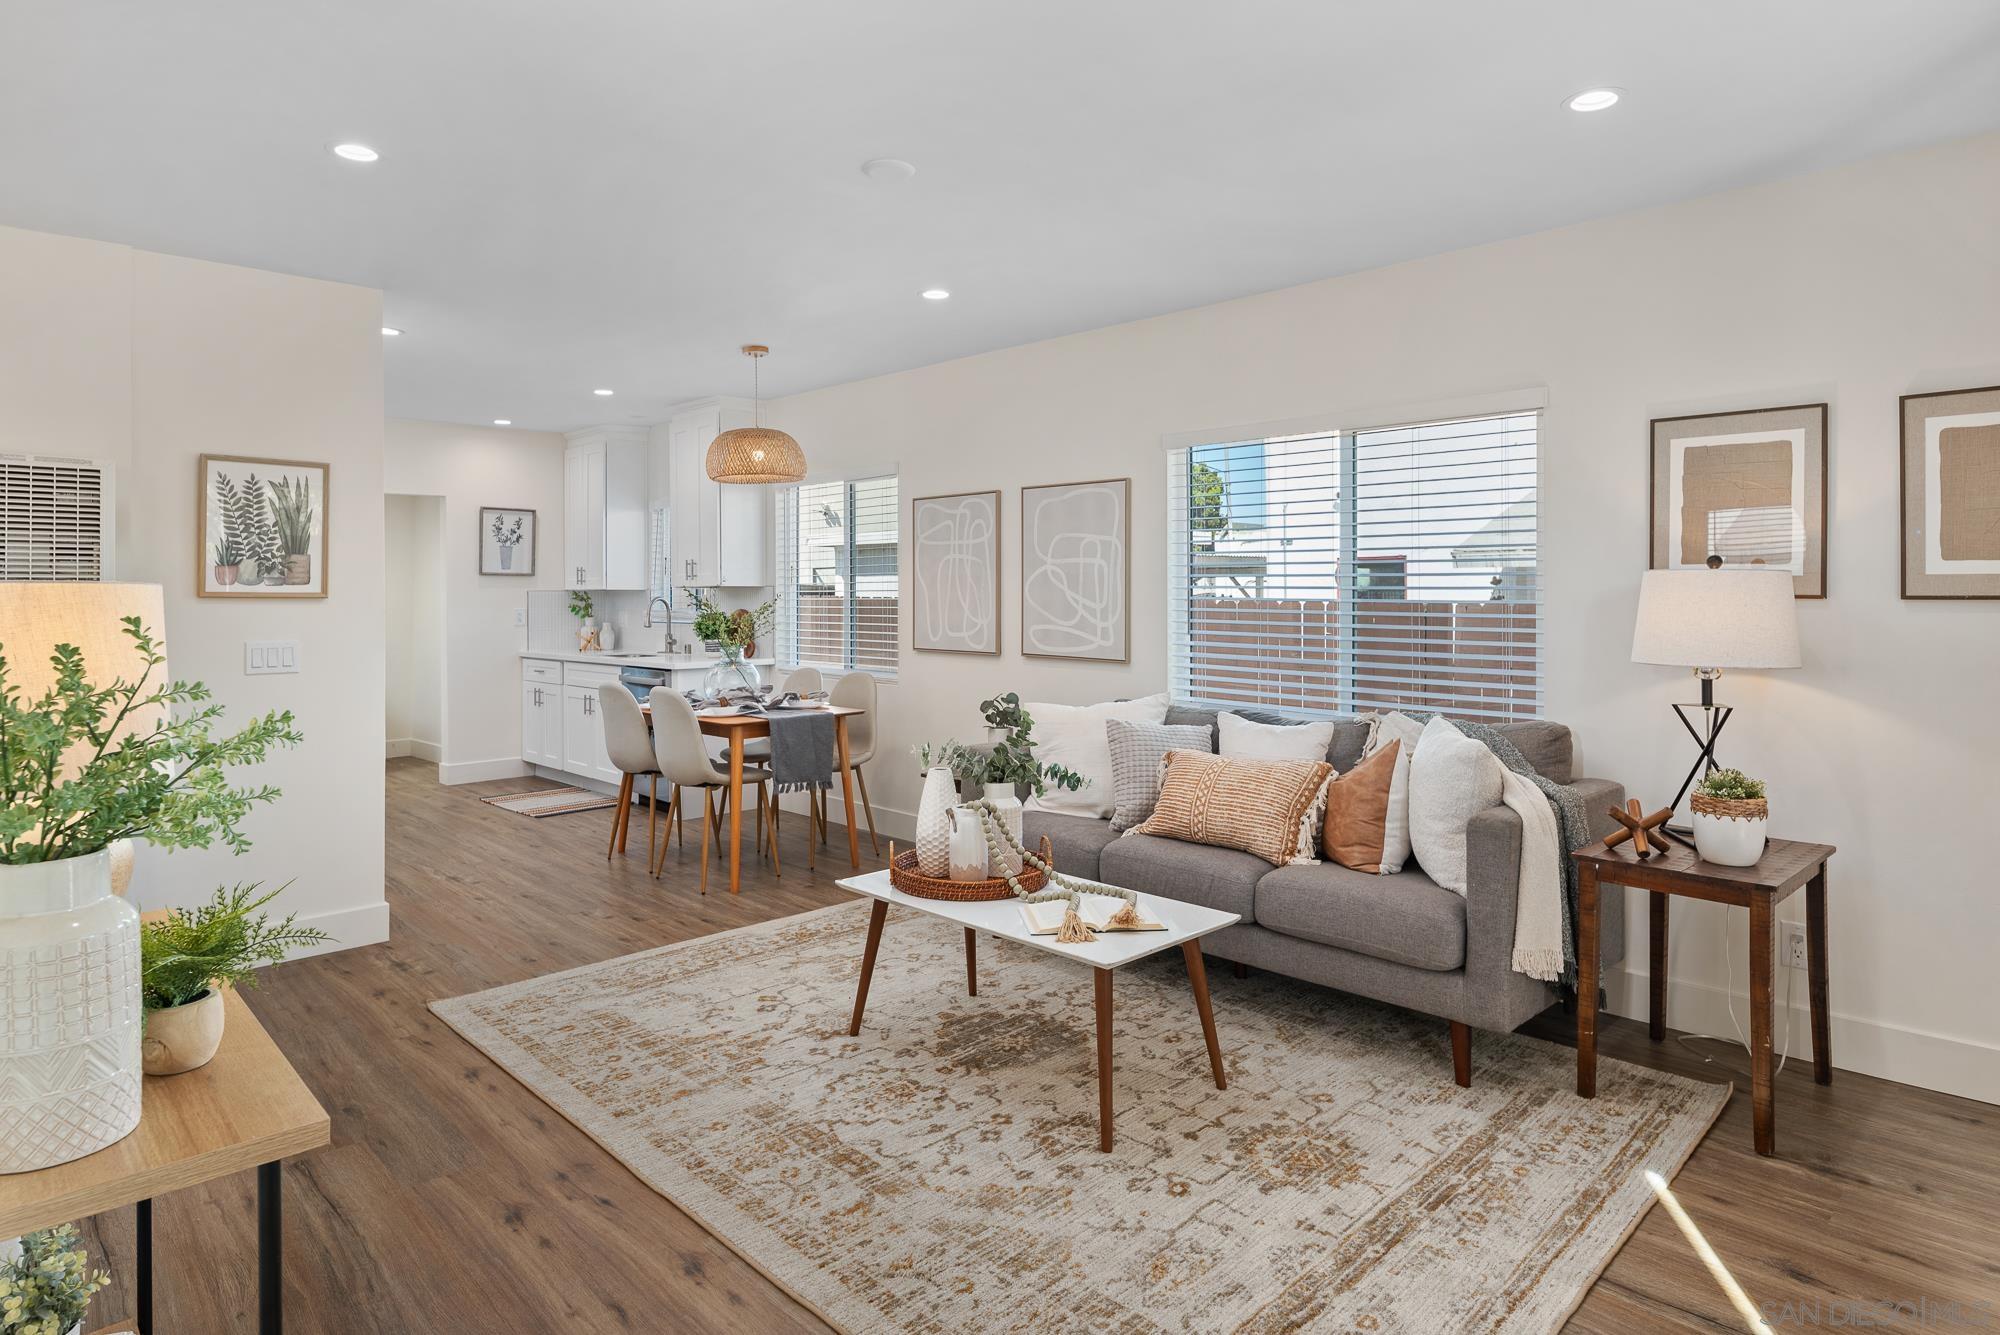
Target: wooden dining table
(737,729)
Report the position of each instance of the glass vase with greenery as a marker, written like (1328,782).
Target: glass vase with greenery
(47,1285)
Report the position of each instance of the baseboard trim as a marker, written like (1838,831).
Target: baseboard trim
(890,823)
(362,925)
(1951,1065)
(479,771)
(414,746)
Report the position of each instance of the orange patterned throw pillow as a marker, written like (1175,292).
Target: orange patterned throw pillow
(1257,806)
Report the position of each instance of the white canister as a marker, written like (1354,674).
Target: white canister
(940,795)
(1007,808)
(968,844)
(70,1017)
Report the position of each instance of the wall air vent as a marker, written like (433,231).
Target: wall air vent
(55,518)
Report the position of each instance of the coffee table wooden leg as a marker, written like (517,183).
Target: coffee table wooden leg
(1816,976)
(1586,980)
(971,963)
(1656,1015)
(1103,1059)
(1198,975)
(875,917)
(1760,1025)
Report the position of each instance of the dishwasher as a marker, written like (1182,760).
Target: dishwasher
(641,680)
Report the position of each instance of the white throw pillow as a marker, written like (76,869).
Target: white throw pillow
(1073,736)
(1239,736)
(1452,779)
(1396,824)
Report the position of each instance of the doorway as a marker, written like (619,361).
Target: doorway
(413,602)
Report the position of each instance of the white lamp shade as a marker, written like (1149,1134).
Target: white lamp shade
(35,617)
(1717,619)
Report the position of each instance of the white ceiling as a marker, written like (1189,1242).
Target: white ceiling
(619,192)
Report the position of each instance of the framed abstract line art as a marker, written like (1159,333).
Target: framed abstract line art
(955,569)
(260,528)
(1076,571)
(506,541)
(1748,488)
(1951,494)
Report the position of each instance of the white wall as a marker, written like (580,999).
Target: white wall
(413,561)
(1853,286)
(149,361)
(470,467)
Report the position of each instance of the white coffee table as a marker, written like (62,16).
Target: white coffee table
(1186,925)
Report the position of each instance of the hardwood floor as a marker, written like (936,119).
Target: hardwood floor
(453,1200)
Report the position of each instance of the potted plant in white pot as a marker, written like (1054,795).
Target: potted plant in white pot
(188,957)
(77,775)
(1731,818)
(1001,769)
(45,1283)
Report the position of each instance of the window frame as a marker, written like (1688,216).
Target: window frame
(785,632)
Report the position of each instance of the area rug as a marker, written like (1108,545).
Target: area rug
(551,801)
(940,1173)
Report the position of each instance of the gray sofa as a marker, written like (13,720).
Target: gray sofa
(1402,939)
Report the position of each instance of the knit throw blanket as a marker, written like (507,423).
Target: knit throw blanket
(802,747)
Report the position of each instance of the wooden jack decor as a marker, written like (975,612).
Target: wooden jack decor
(1647,833)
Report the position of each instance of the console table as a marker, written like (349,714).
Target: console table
(1785,866)
(246,1109)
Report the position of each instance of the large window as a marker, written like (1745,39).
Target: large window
(837,582)
(1357,570)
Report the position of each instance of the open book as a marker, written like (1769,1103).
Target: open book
(1045,918)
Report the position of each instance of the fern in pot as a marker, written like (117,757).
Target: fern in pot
(1731,818)
(85,766)
(188,957)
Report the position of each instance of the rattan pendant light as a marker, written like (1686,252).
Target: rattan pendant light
(754,454)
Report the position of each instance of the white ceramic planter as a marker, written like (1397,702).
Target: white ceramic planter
(180,1038)
(1730,841)
(69,1012)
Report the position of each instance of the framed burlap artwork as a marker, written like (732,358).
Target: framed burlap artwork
(1951,494)
(1747,487)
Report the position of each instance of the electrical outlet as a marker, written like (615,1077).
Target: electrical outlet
(520,616)
(1792,950)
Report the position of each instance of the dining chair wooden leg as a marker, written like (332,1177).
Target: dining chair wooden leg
(680,816)
(764,796)
(861,777)
(758,841)
(652,814)
(618,816)
(708,823)
(674,791)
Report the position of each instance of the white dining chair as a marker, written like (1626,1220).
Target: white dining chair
(856,690)
(681,753)
(630,745)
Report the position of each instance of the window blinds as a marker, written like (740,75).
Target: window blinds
(1359,570)
(838,546)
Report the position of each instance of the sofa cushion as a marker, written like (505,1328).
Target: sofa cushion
(1074,840)
(1216,878)
(1545,745)
(1350,731)
(1452,779)
(1406,918)
(1136,752)
(1073,736)
(1267,807)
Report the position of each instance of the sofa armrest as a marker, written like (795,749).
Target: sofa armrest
(1493,880)
(1599,795)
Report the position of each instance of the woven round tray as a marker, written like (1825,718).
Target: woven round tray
(1731,808)
(903,874)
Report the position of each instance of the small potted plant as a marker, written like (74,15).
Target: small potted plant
(1000,770)
(1731,818)
(228,564)
(186,958)
(45,1283)
(582,607)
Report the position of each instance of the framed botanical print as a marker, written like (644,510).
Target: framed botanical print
(1747,487)
(1951,494)
(955,573)
(260,528)
(1076,571)
(506,541)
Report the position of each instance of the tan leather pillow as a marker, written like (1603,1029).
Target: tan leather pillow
(1257,806)
(1357,811)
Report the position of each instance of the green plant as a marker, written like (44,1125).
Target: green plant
(223,941)
(226,554)
(1729,784)
(259,535)
(711,623)
(45,1289)
(71,785)
(291,507)
(580,605)
(1012,758)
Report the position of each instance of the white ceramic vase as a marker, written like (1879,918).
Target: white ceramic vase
(607,637)
(1007,807)
(940,795)
(968,844)
(1729,841)
(69,1012)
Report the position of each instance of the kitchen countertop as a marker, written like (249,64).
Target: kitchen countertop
(678,662)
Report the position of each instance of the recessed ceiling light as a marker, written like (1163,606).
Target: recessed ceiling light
(1593,99)
(389,332)
(503,421)
(601,393)
(889,171)
(355,152)
(935,294)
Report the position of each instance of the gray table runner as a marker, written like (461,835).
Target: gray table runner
(802,750)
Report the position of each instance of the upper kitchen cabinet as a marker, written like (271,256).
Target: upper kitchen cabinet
(604,509)
(719,535)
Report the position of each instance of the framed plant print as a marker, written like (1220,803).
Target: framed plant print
(506,541)
(1747,487)
(260,528)
(1951,494)
(1076,571)
(955,573)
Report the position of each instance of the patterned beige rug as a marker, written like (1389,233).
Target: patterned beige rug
(940,1173)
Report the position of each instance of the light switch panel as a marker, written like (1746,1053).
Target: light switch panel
(266,656)
(520,616)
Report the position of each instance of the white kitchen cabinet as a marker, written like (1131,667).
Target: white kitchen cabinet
(541,724)
(605,534)
(720,535)
(583,734)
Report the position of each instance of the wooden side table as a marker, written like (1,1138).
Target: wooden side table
(1785,866)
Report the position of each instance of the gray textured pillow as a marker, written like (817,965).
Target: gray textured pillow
(1136,752)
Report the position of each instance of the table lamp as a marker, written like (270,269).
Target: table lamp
(1709,620)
